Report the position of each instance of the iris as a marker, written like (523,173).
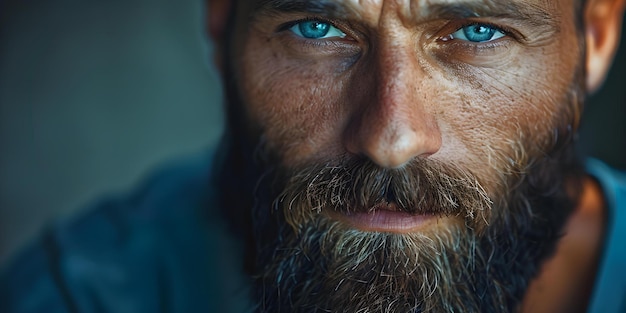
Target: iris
(314,29)
(478,32)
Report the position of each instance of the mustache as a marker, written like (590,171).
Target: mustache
(357,185)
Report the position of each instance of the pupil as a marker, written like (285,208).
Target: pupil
(316,26)
(314,29)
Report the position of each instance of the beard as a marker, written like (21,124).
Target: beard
(308,261)
(302,259)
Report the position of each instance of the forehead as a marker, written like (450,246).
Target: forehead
(415,9)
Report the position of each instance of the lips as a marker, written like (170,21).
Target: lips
(386,217)
(389,221)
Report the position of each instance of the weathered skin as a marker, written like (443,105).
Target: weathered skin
(398,86)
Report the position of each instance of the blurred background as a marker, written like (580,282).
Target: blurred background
(95,94)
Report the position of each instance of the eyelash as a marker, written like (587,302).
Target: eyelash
(344,45)
(448,30)
(457,25)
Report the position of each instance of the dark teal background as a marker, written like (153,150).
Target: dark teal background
(93,94)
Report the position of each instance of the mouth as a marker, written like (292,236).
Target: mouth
(387,217)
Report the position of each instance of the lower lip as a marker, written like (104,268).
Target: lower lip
(389,221)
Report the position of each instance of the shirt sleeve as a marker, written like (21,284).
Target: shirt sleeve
(160,248)
(32,283)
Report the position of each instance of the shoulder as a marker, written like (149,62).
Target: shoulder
(613,183)
(149,250)
(610,286)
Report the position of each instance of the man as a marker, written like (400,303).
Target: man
(381,156)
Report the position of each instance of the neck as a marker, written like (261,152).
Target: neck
(556,289)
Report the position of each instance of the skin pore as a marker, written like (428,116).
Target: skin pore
(485,92)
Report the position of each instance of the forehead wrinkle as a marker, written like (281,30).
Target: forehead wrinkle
(534,12)
(329,8)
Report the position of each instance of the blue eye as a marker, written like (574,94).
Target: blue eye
(478,33)
(316,30)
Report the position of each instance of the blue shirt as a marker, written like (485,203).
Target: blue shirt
(610,287)
(164,248)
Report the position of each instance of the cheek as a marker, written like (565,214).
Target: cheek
(499,117)
(292,103)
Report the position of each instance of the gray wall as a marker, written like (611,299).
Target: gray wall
(93,94)
(603,129)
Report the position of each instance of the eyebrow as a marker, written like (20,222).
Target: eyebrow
(516,10)
(531,14)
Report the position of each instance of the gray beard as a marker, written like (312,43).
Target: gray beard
(308,262)
(346,270)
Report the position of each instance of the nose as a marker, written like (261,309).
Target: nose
(390,123)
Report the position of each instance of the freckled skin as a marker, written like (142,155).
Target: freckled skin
(392,90)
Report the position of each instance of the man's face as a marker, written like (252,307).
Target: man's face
(400,133)
(455,81)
